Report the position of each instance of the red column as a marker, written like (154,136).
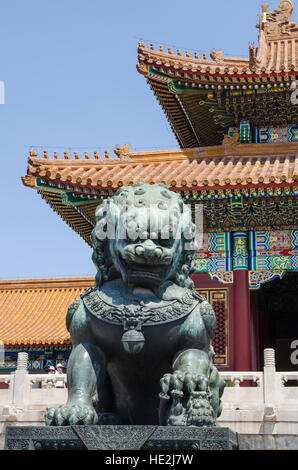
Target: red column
(255,330)
(242,336)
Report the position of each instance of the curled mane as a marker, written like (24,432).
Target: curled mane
(107,218)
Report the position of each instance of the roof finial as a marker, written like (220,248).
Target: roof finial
(216,56)
(265,7)
(123,153)
(277,23)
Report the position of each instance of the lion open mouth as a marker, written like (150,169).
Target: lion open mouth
(154,272)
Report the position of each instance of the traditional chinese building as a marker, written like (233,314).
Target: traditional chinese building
(32,314)
(235,121)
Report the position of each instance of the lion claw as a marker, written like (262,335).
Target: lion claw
(180,383)
(66,415)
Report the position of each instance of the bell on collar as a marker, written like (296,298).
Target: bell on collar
(133,341)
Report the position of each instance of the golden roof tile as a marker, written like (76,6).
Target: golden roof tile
(207,169)
(250,164)
(33,312)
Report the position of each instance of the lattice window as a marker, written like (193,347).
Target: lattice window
(219,342)
(218,298)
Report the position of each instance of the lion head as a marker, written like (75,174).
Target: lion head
(144,234)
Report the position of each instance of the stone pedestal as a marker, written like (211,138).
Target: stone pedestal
(156,438)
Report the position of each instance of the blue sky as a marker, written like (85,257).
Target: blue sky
(69,68)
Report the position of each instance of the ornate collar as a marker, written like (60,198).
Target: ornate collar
(141,314)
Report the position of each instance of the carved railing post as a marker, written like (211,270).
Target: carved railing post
(22,362)
(20,383)
(270,391)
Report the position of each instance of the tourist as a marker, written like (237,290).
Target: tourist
(51,370)
(59,371)
(49,383)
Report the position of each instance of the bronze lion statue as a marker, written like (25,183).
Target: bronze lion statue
(142,352)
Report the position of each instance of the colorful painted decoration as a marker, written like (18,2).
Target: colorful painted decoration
(245,135)
(226,277)
(214,254)
(257,278)
(273,250)
(240,250)
(276,134)
(39,358)
(256,251)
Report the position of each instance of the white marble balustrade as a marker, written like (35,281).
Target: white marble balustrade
(253,402)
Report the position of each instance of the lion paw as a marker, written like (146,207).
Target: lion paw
(71,414)
(185,400)
(179,384)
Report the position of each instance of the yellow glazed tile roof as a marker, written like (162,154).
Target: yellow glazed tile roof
(202,168)
(277,51)
(236,88)
(74,186)
(33,312)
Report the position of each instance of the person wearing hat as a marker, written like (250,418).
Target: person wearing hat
(49,383)
(59,371)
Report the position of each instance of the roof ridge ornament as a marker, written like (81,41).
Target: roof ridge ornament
(274,25)
(277,22)
(142,69)
(123,153)
(217,56)
(29,180)
(231,143)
